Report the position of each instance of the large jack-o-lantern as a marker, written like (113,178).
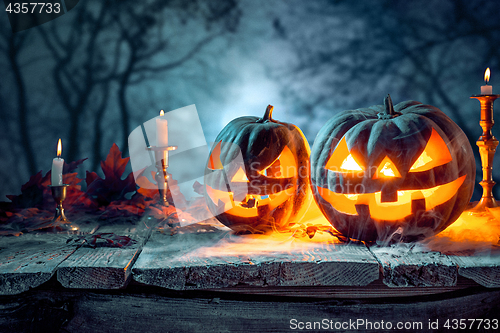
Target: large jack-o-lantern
(403,172)
(257,174)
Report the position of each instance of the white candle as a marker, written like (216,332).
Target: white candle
(486,89)
(161,131)
(57,167)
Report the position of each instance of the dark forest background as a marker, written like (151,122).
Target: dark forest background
(94,74)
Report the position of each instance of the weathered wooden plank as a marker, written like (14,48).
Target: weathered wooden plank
(376,289)
(103,267)
(405,266)
(482,267)
(220,259)
(84,311)
(29,260)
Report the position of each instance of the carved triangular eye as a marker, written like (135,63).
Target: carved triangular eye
(284,166)
(214,162)
(240,176)
(342,160)
(349,164)
(386,169)
(435,153)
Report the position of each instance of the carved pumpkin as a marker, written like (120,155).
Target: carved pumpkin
(257,174)
(385,173)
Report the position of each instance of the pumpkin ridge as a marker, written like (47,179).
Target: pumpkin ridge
(403,140)
(259,202)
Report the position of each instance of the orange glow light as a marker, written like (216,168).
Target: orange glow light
(226,202)
(473,230)
(214,162)
(386,169)
(283,167)
(240,176)
(350,164)
(435,153)
(391,211)
(59,148)
(487,75)
(341,153)
(162,113)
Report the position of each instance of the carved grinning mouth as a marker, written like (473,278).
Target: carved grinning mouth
(392,211)
(248,206)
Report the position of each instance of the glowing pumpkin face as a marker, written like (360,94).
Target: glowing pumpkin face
(377,173)
(257,175)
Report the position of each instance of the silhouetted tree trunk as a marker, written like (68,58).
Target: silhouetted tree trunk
(76,80)
(16,42)
(97,122)
(83,61)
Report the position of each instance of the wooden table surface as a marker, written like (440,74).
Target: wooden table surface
(208,256)
(203,278)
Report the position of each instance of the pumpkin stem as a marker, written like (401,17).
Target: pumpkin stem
(389,109)
(268,114)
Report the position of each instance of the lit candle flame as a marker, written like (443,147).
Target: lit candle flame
(59,148)
(487,75)
(163,113)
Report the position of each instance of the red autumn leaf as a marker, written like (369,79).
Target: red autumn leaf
(36,192)
(125,208)
(147,188)
(166,216)
(111,239)
(26,220)
(112,187)
(33,209)
(76,199)
(198,188)
(72,166)
(114,165)
(113,192)
(31,192)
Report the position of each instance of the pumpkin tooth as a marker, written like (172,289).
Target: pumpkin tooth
(249,202)
(417,205)
(389,195)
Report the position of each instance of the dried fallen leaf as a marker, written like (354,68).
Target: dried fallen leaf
(110,240)
(112,187)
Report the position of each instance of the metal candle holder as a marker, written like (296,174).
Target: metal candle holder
(487,144)
(161,176)
(60,221)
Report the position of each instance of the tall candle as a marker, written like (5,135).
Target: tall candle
(486,89)
(57,167)
(161,131)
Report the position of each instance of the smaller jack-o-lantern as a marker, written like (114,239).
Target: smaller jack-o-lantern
(384,172)
(257,174)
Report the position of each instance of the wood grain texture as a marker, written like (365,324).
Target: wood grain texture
(84,311)
(220,259)
(100,268)
(482,267)
(29,260)
(376,289)
(404,267)
(103,267)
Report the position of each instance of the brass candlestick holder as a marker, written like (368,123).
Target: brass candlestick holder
(487,144)
(60,222)
(161,176)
